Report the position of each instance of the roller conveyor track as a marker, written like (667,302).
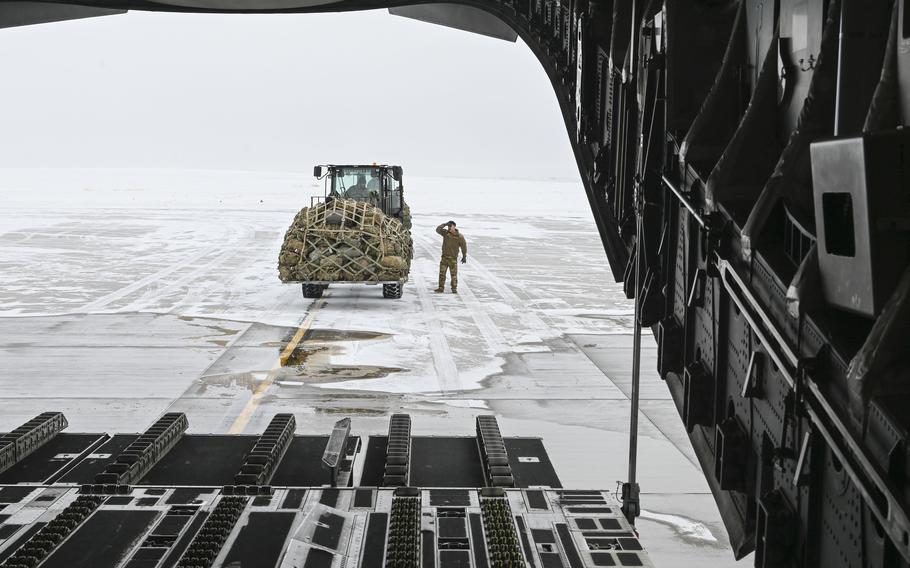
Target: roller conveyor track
(403,540)
(168,525)
(265,456)
(18,444)
(141,456)
(499,529)
(398,452)
(49,537)
(214,532)
(493,449)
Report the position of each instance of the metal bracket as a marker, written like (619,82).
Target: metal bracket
(775,524)
(684,199)
(631,502)
(799,474)
(731,450)
(711,234)
(804,368)
(657,62)
(698,396)
(751,388)
(697,290)
(710,224)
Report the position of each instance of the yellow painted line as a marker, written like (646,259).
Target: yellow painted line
(295,341)
(246,414)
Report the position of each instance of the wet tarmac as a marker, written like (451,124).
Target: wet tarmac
(116,316)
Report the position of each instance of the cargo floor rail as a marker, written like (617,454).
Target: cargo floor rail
(210,539)
(493,451)
(51,535)
(263,459)
(398,452)
(145,451)
(16,445)
(499,528)
(403,538)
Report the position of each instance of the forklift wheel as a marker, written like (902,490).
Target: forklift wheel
(313,290)
(393,290)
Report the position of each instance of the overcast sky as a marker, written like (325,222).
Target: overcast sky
(264,92)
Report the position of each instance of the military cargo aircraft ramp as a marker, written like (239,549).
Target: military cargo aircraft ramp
(746,163)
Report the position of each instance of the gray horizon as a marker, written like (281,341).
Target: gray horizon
(277,93)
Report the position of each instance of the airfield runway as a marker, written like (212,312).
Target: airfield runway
(116,308)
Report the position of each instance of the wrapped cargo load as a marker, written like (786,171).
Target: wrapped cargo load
(342,240)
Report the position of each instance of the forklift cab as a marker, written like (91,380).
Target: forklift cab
(378,185)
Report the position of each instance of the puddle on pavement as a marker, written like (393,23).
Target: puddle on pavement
(315,371)
(329,335)
(225,332)
(352,411)
(310,363)
(311,360)
(319,336)
(300,356)
(230,382)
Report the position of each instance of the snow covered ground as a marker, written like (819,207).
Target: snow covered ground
(128,293)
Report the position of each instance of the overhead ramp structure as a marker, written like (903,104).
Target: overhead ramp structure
(465,18)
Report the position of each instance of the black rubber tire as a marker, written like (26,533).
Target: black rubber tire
(392,291)
(312,290)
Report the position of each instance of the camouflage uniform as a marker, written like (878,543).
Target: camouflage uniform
(361,193)
(449,261)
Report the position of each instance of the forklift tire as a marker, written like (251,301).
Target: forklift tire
(312,290)
(392,291)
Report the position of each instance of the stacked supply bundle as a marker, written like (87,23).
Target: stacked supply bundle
(343,240)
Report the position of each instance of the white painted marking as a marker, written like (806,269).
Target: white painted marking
(443,361)
(491,334)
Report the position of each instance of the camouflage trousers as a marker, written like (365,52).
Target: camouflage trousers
(449,263)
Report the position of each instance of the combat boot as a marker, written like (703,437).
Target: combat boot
(439,290)
(454,290)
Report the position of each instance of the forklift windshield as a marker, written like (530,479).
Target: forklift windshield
(360,183)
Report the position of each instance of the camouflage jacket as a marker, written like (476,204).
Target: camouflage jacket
(451,243)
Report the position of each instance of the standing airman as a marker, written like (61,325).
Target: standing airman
(452,240)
